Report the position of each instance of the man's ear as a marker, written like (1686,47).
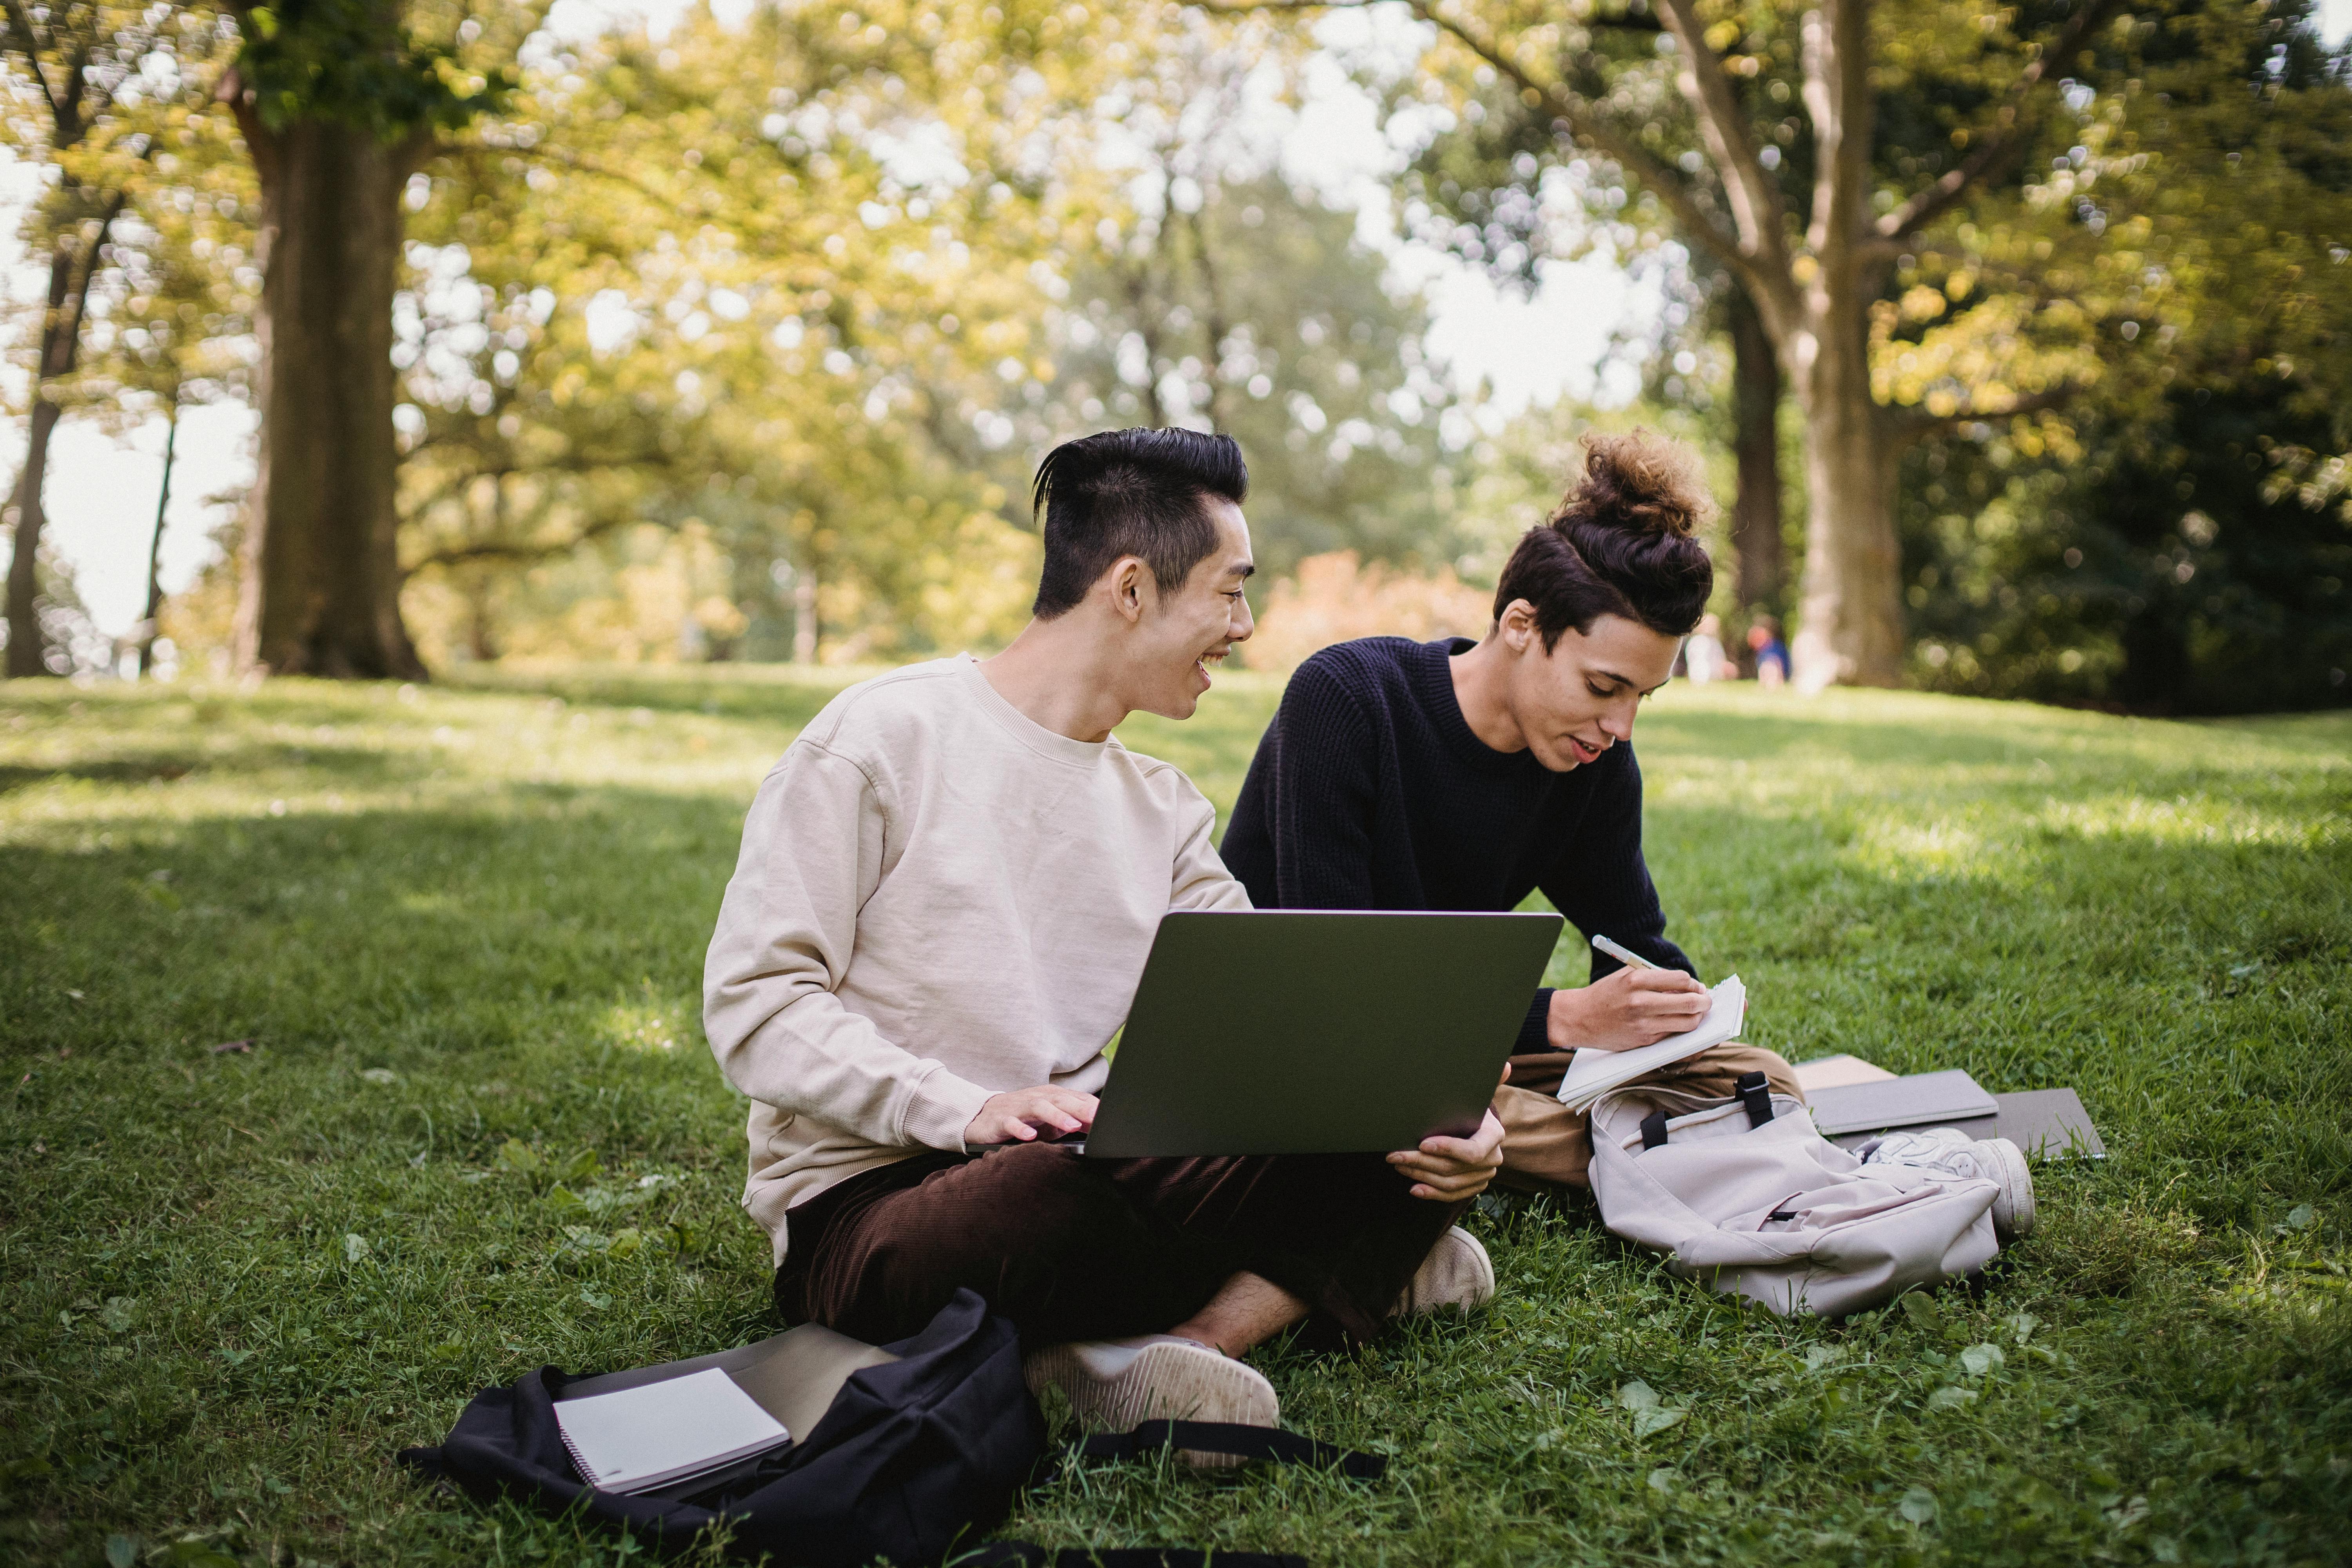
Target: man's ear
(1517,625)
(1130,583)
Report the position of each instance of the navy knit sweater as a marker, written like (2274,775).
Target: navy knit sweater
(1370,792)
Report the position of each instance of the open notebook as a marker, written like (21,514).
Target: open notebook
(1594,1073)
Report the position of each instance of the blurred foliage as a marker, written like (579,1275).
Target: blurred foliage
(391,67)
(729,283)
(2174,542)
(768,319)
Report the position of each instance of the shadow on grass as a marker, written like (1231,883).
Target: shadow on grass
(134,770)
(775,693)
(352,766)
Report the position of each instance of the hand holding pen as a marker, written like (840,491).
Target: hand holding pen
(1640,1005)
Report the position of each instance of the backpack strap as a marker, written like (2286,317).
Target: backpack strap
(1029,1554)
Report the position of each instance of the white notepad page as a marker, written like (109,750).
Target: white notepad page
(1594,1073)
(645,1436)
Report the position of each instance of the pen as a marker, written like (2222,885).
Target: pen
(1623,954)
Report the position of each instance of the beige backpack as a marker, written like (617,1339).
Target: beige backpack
(1773,1211)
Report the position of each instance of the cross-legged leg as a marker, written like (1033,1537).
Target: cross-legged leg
(1071,1249)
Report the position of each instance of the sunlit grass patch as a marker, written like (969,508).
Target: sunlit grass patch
(1942,847)
(2214,818)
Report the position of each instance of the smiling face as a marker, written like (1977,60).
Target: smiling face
(1575,701)
(1178,637)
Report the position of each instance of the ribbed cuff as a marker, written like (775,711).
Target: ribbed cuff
(942,1106)
(1535,1033)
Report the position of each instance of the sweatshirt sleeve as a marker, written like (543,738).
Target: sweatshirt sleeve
(1198,879)
(813,852)
(1600,880)
(1320,796)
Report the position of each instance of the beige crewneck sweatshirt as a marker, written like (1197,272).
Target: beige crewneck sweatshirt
(938,899)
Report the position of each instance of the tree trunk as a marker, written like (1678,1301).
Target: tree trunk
(70,270)
(1756,442)
(25,642)
(147,626)
(320,594)
(1850,621)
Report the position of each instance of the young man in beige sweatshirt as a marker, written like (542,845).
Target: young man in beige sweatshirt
(947,891)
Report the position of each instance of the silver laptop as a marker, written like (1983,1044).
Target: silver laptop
(1317,1032)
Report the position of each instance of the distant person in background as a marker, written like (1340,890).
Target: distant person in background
(1460,775)
(1770,653)
(1703,656)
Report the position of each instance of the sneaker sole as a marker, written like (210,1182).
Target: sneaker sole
(2016,1189)
(1163,1383)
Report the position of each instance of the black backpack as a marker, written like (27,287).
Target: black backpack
(909,1459)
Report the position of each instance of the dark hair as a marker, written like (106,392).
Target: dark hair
(1620,543)
(1130,492)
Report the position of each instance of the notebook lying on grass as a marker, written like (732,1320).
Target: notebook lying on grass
(651,1427)
(1593,1074)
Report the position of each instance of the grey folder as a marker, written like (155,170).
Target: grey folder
(1922,1100)
(2044,1123)
(1315,1032)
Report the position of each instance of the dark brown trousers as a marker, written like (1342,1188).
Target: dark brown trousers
(1074,1248)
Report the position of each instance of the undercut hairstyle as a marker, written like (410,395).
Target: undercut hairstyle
(1130,492)
(1622,541)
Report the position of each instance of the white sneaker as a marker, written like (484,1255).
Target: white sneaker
(1112,1384)
(1457,1273)
(1995,1160)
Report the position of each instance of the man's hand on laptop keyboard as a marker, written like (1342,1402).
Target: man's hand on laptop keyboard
(1019,1115)
(1448,1170)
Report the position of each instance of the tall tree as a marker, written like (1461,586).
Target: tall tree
(170,309)
(1814,267)
(340,102)
(79,71)
(1756,387)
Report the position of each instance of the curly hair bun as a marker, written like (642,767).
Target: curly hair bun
(1622,541)
(1640,483)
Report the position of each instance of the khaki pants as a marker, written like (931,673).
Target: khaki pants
(1546,1145)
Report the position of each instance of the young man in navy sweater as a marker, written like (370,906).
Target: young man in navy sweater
(1460,775)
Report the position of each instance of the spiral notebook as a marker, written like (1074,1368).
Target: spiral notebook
(639,1438)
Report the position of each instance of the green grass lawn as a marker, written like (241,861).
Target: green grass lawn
(477,1131)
